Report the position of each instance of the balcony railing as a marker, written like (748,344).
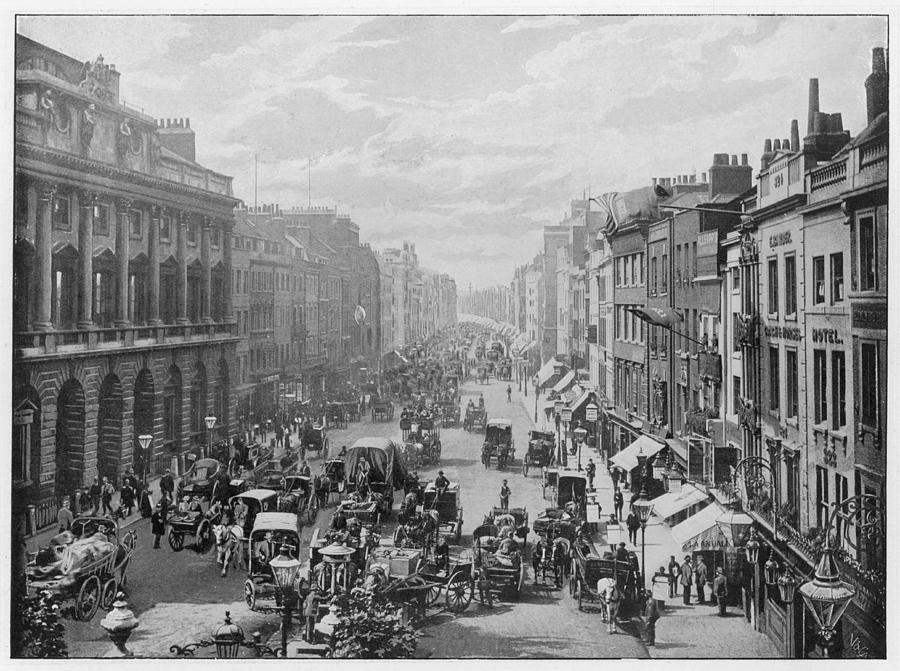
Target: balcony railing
(39,343)
(873,152)
(827,175)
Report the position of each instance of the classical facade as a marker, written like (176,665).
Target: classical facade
(122,312)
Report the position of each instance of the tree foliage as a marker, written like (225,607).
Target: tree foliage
(37,627)
(370,628)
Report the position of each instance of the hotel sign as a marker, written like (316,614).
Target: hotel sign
(869,316)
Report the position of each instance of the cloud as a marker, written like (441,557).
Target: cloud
(539,23)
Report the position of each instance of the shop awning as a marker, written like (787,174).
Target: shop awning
(547,370)
(700,531)
(658,316)
(526,348)
(564,383)
(628,458)
(674,502)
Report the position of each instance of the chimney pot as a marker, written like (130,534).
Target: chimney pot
(187,121)
(820,123)
(776,145)
(835,123)
(813,106)
(744,159)
(734,159)
(795,135)
(877,86)
(767,147)
(786,145)
(703,177)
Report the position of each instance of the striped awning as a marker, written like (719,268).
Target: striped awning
(628,458)
(673,503)
(700,531)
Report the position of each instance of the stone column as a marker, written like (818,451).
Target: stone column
(86,261)
(123,233)
(228,284)
(181,258)
(153,254)
(43,242)
(205,262)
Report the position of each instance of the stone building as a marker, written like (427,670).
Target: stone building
(122,314)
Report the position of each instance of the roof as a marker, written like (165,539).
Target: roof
(500,421)
(700,531)
(276,522)
(628,458)
(256,494)
(380,443)
(673,503)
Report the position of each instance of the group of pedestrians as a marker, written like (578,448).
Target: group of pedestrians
(690,574)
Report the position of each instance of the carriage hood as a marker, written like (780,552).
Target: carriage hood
(382,455)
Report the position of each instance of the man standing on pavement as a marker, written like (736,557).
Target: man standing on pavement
(674,572)
(64,517)
(106,492)
(652,614)
(687,576)
(591,471)
(508,394)
(720,590)
(658,589)
(618,502)
(167,485)
(158,524)
(94,493)
(701,577)
(633,524)
(505,491)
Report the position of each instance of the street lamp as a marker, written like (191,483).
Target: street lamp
(580,435)
(827,596)
(228,641)
(144,441)
(643,508)
(210,424)
(285,569)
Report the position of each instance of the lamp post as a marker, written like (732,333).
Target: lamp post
(144,441)
(566,417)
(580,435)
(643,508)
(285,569)
(210,424)
(228,641)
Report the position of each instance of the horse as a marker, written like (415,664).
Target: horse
(502,455)
(322,487)
(408,507)
(229,542)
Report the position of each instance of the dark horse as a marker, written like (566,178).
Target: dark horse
(551,556)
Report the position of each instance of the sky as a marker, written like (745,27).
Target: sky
(468,134)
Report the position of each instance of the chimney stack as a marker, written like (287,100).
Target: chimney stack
(813,106)
(795,135)
(744,159)
(703,177)
(786,145)
(877,86)
(820,123)
(776,145)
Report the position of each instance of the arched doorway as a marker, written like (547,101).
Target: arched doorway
(144,412)
(172,410)
(109,428)
(69,439)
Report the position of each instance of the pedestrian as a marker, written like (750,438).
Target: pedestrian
(618,502)
(505,491)
(720,590)
(126,498)
(146,501)
(508,394)
(652,615)
(106,493)
(633,523)
(167,484)
(591,472)
(674,572)
(687,576)
(614,475)
(305,470)
(621,552)
(158,524)
(94,493)
(701,578)
(165,501)
(64,517)
(635,495)
(659,587)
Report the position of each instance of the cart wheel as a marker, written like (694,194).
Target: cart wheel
(88,599)
(176,540)
(434,594)
(250,594)
(459,592)
(202,537)
(108,594)
(129,541)
(579,594)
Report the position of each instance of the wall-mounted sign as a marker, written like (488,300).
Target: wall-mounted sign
(869,316)
(783,332)
(779,239)
(829,336)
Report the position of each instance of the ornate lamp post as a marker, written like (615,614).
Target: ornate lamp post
(827,596)
(119,623)
(228,641)
(285,569)
(210,425)
(643,508)
(580,435)
(144,440)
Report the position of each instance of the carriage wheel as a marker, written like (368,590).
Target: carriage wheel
(250,594)
(129,541)
(108,593)
(203,537)
(88,599)
(579,595)
(176,540)
(459,590)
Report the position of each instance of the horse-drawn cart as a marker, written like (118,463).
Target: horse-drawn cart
(541,445)
(589,565)
(476,419)
(198,525)
(382,410)
(499,443)
(503,571)
(448,508)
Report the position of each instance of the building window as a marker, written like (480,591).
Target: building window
(678,263)
(818,280)
(792,402)
(101,219)
(191,232)
(653,275)
(60,213)
(820,386)
(664,273)
(837,277)
(822,500)
(165,229)
(838,391)
(868,383)
(773,286)
(774,380)
(735,279)
(693,259)
(735,342)
(136,222)
(868,262)
(735,393)
(214,237)
(790,287)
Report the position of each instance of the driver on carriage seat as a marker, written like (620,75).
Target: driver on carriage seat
(214,509)
(441,484)
(471,404)
(480,400)
(338,521)
(442,554)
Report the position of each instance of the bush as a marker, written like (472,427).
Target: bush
(370,628)
(37,627)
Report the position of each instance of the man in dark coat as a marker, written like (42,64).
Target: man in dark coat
(720,590)
(591,471)
(167,484)
(126,498)
(618,503)
(94,493)
(652,615)
(687,579)
(158,524)
(633,523)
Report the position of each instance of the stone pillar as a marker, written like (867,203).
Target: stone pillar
(123,234)
(86,261)
(153,254)
(206,288)
(228,284)
(181,258)
(43,242)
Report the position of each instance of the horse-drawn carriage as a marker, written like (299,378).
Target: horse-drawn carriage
(297,495)
(270,531)
(257,501)
(198,525)
(203,479)
(313,439)
(502,569)
(504,370)
(515,519)
(476,418)
(351,411)
(448,508)
(376,463)
(498,443)
(541,445)
(590,565)
(336,416)
(382,410)
(449,412)
(425,439)
(85,566)
(556,523)
(568,490)
(455,580)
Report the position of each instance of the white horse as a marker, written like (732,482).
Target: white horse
(229,540)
